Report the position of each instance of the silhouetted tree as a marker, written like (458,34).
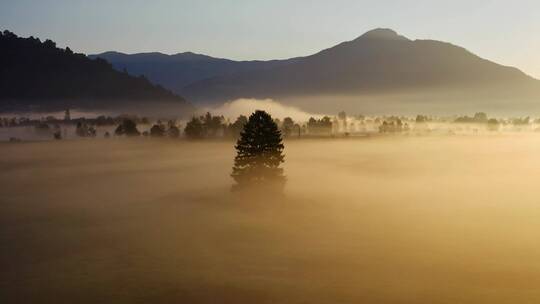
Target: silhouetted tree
(238,125)
(493,124)
(287,126)
(194,129)
(173,132)
(299,129)
(104,121)
(157,130)
(259,153)
(212,124)
(81,130)
(393,125)
(319,126)
(128,127)
(421,118)
(480,117)
(85,130)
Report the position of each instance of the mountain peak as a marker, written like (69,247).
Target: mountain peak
(383,34)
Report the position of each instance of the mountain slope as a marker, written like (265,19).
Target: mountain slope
(177,71)
(37,75)
(380,62)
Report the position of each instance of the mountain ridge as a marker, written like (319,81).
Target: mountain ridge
(372,66)
(38,76)
(181,69)
(380,62)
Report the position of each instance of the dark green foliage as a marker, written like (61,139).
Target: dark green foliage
(194,129)
(259,153)
(104,120)
(421,119)
(157,130)
(212,124)
(493,124)
(84,130)
(393,125)
(128,127)
(479,117)
(38,73)
(319,126)
(287,126)
(173,132)
(205,126)
(236,128)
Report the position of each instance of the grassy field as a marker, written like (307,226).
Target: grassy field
(382,220)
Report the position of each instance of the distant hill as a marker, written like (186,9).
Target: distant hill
(38,76)
(177,71)
(383,70)
(380,72)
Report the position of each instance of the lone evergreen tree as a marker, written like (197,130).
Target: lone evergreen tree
(259,153)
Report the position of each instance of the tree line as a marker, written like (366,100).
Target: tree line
(209,126)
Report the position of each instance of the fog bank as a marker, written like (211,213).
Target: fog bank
(245,107)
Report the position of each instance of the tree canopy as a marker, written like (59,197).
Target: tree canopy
(236,128)
(320,126)
(157,130)
(259,153)
(35,73)
(194,129)
(128,127)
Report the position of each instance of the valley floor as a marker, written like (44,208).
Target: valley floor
(380,220)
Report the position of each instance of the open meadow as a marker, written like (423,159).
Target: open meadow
(434,219)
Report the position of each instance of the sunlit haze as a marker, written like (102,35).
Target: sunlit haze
(269,152)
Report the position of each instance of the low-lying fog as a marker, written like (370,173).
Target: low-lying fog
(380,220)
(238,107)
(351,124)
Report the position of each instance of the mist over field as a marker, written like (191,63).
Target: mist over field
(279,110)
(386,220)
(269,152)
